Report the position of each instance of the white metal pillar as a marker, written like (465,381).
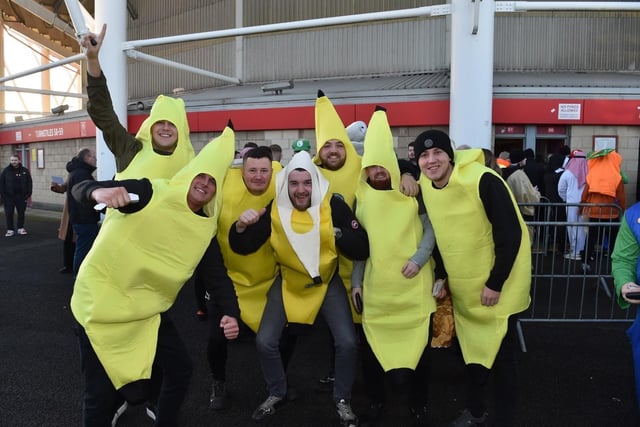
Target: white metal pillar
(114,65)
(239,40)
(472,30)
(3,104)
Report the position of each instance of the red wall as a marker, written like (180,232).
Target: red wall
(418,113)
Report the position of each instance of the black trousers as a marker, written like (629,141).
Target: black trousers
(68,248)
(413,383)
(505,381)
(101,399)
(18,204)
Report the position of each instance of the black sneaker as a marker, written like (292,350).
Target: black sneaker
(420,415)
(326,383)
(267,408)
(345,413)
(372,414)
(328,379)
(292,393)
(468,420)
(218,399)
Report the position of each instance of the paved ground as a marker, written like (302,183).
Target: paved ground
(572,375)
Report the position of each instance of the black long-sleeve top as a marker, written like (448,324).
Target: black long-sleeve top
(16,182)
(80,213)
(507,233)
(352,240)
(142,187)
(213,273)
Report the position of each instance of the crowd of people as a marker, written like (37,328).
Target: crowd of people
(571,187)
(369,242)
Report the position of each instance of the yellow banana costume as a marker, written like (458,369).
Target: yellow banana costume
(139,263)
(464,237)
(396,309)
(343,181)
(252,274)
(304,243)
(149,164)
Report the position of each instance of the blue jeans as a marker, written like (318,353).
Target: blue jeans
(336,312)
(101,399)
(85,235)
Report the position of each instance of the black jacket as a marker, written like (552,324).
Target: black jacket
(352,243)
(212,272)
(80,213)
(15,183)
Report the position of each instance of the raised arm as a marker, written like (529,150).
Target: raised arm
(121,143)
(251,231)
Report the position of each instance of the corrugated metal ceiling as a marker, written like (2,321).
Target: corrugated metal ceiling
(45,21)
(22,15)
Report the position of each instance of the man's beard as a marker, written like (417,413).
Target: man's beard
(381,185)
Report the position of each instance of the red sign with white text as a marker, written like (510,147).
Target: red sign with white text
(48,132)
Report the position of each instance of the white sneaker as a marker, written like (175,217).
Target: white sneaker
(22,231)
(573,257)
(9,233)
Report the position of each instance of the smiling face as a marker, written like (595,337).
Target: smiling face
(379,178)
(300,186)
(202,190)
(164,136)
(436,165)
(333,155)
(256,174)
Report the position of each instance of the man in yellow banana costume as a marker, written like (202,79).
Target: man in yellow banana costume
(339,163)
(143,255)
(160,148)
(248,185)
(485,248)
(162,145)
(305,226)
(397,290)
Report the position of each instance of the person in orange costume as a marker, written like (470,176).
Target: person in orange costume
(605,186)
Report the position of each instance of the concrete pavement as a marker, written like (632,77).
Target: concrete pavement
(572,375)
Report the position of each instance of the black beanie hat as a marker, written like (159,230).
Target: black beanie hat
(433,139)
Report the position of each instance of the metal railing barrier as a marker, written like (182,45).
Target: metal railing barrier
(571,277)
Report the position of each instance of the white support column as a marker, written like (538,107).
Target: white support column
(114,65)
(471,72)
(239,40)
